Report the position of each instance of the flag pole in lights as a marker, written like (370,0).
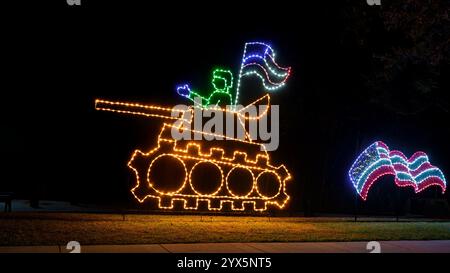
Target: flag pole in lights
(377,160)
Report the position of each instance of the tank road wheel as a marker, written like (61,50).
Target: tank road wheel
(167,174)
(206,178)
(240,182)
(268,184)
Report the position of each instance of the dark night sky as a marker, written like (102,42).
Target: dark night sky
(59,60)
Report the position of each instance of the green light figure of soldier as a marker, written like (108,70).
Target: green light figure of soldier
(222,83)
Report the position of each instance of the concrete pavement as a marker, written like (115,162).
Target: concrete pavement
(438,246)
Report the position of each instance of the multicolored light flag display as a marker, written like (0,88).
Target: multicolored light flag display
(377,160)
(259,60)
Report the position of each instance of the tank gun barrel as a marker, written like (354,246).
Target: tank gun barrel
(138,109)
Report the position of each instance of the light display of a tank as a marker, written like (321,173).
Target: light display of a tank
(377,160)
(238,172)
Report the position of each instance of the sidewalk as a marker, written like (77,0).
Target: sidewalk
(438,246)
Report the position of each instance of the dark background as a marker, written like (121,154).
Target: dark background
(360,74)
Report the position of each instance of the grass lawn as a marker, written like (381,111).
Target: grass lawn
(60,228)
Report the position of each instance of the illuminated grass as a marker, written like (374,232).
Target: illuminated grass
(59,228)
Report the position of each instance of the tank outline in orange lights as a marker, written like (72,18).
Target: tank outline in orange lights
(190,154)
(252,157)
